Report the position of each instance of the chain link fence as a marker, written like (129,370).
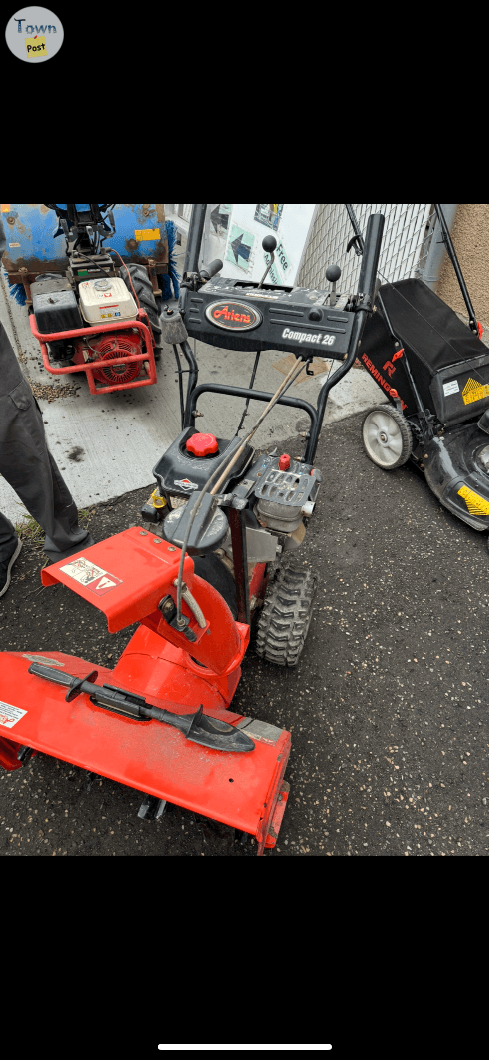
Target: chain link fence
(408,232)
(407,238)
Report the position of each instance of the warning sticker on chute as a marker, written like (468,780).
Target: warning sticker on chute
(92,577)
(9,716)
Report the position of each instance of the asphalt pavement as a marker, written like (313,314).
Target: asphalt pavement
(387,710)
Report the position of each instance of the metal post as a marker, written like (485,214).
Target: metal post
(436,254)
(445,233)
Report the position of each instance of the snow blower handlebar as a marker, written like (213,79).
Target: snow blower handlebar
(362,305)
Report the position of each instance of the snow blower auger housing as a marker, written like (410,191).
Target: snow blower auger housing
(435,371)
(161,720)
(101,314)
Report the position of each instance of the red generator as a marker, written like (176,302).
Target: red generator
(102,316)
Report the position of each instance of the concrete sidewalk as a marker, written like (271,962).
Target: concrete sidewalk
(107,446)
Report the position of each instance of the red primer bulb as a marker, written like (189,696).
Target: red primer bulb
(284,462)
(202,445)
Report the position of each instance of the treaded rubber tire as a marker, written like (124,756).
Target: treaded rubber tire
(405,433)
(144,290)
(286,616)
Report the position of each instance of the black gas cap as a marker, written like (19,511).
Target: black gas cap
(315,314)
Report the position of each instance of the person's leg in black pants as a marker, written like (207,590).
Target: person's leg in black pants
(27,464)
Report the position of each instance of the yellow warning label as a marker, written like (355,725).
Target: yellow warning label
(36,47)
(475,504)
(4,207)
(147,235)
(474,391)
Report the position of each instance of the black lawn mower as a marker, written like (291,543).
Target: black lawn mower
(435,371)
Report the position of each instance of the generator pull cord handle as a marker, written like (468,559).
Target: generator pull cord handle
(447,239)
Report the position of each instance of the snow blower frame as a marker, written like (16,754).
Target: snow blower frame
(161,722)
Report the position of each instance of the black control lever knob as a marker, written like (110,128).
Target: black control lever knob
(333,274)
(269,244)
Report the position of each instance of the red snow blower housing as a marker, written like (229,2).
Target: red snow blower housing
(226,522)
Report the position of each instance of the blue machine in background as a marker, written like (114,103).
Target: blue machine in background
(36,241)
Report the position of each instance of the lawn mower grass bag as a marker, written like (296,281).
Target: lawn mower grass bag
(449,365)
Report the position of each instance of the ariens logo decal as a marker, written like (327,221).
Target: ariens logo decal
(233,316)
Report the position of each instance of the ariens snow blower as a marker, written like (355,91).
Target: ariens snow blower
(226,522)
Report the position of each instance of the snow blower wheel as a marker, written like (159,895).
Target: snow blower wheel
(144,290)
(387,438)
(286,616)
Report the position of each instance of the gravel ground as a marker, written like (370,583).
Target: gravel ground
(387,709)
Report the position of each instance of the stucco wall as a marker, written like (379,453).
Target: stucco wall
(470,235)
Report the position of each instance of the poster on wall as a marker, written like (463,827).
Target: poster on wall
(235,233)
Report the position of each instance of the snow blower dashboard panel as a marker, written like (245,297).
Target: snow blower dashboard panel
(234,315)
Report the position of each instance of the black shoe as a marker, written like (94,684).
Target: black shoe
(6,567)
